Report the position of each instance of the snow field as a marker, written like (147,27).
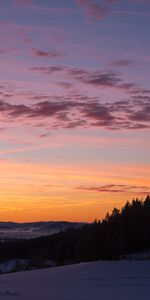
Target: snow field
(102,280)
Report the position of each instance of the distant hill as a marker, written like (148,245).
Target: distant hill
(13,230)
(121,234)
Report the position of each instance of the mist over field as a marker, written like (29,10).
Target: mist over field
(11,230)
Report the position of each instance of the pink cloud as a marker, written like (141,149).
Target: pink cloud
(93,9)
(47,54)
(121,63)
(68,112)
(98,11)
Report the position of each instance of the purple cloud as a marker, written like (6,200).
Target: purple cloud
(142,115)
(49,108)
(9,50)
(13,109)
(47,54)
(74,111)
(100,114)
(93,9)
(64,85)
(99,79)
(98,11)
(122,63)
(48,70)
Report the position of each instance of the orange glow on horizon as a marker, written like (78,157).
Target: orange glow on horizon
(46,192)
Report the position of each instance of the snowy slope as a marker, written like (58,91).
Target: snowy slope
(118,280)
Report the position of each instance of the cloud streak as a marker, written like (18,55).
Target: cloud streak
(47,54)
(116,188)
(94,10)
(98,78)
(122,63)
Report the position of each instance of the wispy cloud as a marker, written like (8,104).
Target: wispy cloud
(142,114)
(97,79)
(131,12)
(43,7)
(47,70)
(52,10)
(29,148)
(97,10)
(64,85)
(93,9)
(116,188)
(107,79)
(121,63)
(47,54)
(8,50)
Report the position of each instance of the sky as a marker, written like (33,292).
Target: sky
(74,107)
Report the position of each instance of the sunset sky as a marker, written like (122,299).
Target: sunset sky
(74,107)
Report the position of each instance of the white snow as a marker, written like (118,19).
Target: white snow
(14,265)
(9,265)
(112,280)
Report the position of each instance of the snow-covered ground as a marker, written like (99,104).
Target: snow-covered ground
(16,265)
(112,280)
(10,265)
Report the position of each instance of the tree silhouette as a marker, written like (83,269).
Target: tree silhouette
(122,232)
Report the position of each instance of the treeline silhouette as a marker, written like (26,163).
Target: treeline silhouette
(122,232)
